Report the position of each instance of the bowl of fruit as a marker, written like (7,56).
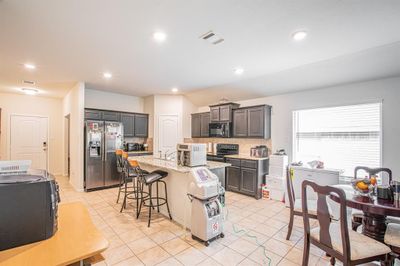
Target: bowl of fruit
(364,186)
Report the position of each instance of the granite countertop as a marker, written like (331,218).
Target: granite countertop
(140,152)
(245,157)
(172,165)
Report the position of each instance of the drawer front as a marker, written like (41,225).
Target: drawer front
(276,183)
(233,162)
(249,164)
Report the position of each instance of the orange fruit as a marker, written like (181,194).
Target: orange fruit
(361,185)
(373,180)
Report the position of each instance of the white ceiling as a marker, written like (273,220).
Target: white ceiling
(77,40)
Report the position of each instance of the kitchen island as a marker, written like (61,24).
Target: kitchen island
(178,180)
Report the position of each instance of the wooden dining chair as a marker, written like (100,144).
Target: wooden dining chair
(392,238)
(357,215)
(350,247)
(295,204)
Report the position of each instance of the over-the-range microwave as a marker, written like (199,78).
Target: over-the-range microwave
(220,130)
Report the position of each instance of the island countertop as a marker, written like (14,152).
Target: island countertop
(172,165)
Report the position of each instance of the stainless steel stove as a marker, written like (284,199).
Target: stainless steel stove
(222,150)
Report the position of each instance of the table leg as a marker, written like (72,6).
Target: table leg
(374,226)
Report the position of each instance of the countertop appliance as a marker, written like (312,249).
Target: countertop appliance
(223,149)
(192,154)
(259,151)
(220,130)
(102,138)
(129,146)
(28,208)
(207,215)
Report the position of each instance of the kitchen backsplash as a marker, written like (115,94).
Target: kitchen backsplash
(244,144)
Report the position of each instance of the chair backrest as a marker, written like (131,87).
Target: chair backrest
(120,165)
(290,189)
(373,171)
(323,215)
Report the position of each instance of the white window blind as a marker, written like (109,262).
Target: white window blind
(342,137)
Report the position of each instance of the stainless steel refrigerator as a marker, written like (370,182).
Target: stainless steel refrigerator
(101,140)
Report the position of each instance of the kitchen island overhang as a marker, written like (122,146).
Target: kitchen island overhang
(178,180)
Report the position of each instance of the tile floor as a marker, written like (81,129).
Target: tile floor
(255,232)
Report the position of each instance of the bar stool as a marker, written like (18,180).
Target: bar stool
(149,179)
(120,170)
(128,175)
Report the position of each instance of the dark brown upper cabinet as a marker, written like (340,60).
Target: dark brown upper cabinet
(252,122)
(135,125)
(200,125)
(141,125)
(222,112)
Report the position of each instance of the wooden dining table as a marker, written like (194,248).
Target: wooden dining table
(375,212)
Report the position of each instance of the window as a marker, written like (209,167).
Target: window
(342,137)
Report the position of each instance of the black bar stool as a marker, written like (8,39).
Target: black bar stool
(120,170)
(129,175)
(149,179)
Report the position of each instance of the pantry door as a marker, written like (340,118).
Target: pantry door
(168,133)
(29,140)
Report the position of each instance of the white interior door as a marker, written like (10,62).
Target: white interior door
(29,140)
(168,133)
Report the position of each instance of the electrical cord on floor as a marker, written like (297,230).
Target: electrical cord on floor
(267,260)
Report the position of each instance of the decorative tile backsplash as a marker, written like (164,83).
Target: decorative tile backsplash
(244,144)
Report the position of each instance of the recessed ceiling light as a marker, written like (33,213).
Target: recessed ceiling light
(159,36)
(299,35)
(29,91)
(239,71)
(107,75)
(29,66)
(174,90)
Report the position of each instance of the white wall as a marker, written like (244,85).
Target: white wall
(113,101)
(73,104)
(385,90)
(33,105)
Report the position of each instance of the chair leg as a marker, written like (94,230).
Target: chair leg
(333,260)
(125,194)
(158,201)
(290,227)
(306,250)
(166,200)
(141,201)
(151,205)
(119,187)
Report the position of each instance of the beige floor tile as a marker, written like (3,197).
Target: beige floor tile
(115,241)
(153,256)
(132,261)
(170,262)
(162,236)
(116,255)
(131,235)
(142,244)
(209,262)
(249,262)
(265,257)
(213,248)
(285,262)
(277,247)
(191,256)
(228,257)
(255,237)
(175,246)
(243,247)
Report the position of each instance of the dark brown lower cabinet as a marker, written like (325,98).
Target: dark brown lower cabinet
(246,176)
(232,178)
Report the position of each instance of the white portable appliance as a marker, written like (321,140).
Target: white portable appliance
(207,215)
(192,154)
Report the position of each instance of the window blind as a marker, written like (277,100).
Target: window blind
(342,137)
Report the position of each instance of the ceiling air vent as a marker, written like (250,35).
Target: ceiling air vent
(28,82)
(212,38)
